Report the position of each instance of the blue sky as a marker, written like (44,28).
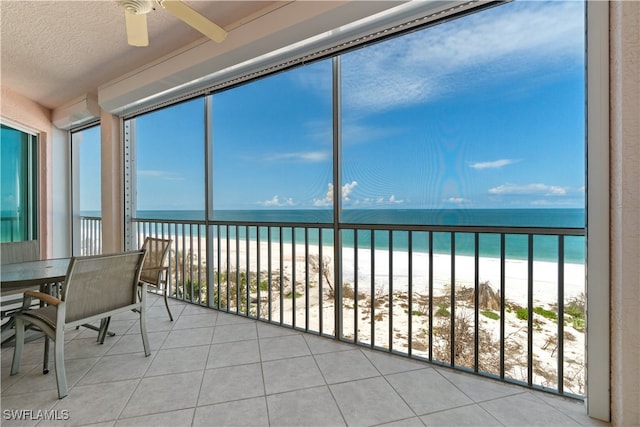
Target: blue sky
(483,112)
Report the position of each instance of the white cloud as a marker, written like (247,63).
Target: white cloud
(511,189)
(275,201)
(327,200)
(347,189)
(447,59)
(379,200)
(303,156)
(158,174)
(457,200)
(494,164)
(347,196)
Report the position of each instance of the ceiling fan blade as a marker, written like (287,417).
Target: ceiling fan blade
(185,13)
(137,34)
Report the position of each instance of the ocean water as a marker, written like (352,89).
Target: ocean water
(545,248)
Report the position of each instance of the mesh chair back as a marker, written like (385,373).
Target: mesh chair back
(98,284)
(12,252)
(157,250)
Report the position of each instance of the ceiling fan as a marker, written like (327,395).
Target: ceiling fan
(135,12)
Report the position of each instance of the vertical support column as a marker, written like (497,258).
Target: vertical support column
(208,186)
(597,230)
(131,240)
(337,199)
(624,187)
(112,183)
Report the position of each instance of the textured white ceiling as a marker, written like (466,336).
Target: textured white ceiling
(55,51)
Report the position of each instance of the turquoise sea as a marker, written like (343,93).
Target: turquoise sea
(516,246)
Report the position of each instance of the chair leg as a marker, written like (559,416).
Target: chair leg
(61,376)
(143,328)
(166,302)
(7,333)
(17,351)
(45,361)
(104,329)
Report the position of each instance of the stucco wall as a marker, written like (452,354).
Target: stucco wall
(625,211)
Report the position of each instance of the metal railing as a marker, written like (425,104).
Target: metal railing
(90,235)
(504,302)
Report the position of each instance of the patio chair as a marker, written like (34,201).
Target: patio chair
(11,299)
(12,252)
(96,287)
(154,272)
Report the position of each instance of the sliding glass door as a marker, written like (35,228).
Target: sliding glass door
(19,208)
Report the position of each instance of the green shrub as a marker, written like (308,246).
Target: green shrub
(490,314)
(442,311)
(574,312)
(545,313)
(522,313)
(578,324)
(290,296)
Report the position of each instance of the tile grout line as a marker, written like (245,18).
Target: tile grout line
(264,385)
(153,357)
(392,388)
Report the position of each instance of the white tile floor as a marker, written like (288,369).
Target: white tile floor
(216,369)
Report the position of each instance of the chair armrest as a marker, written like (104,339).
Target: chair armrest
(49,299)
(155,268)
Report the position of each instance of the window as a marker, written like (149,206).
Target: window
(86,179)
(87,191)
(19,210)
(170,162)
(272,148)
(483,112)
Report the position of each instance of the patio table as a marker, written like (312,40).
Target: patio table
(33,273)
(21,275)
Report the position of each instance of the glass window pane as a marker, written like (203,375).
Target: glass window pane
(272,148)
(87,191)
(483,112)
(87,175)
(19,185)
(170,162)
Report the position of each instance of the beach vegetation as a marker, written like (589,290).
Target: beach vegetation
(194,291)
(317,265)
(576,308)
(290,295)
(574,312)
(443,311)
(348,292)
(488,298)
(578,324)
(490,314)
(547,314)
(522,313)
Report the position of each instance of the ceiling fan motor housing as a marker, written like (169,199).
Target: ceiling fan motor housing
(137,7)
